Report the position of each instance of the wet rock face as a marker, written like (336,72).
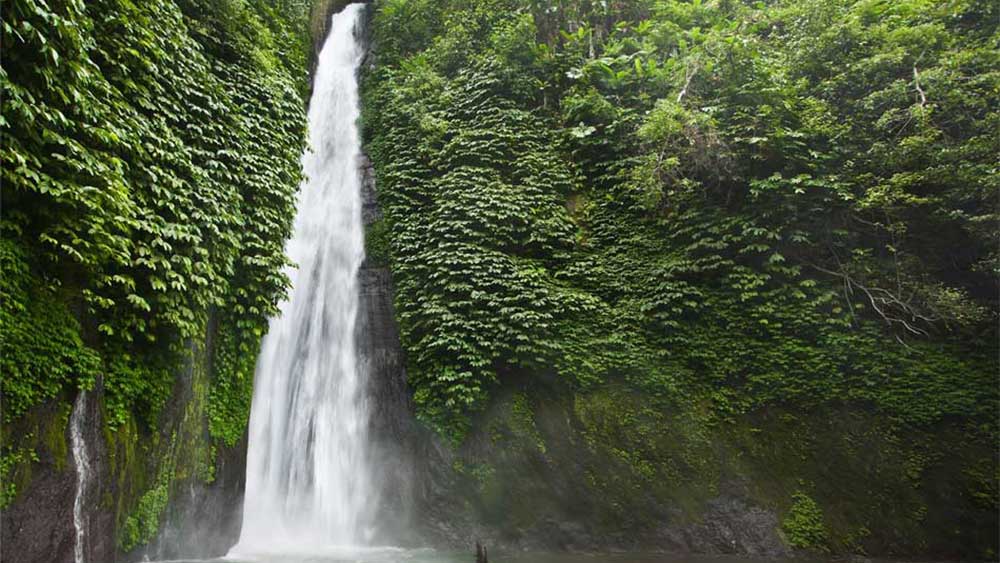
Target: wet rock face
(44,532)
(538,493)
(38,526)
(200,520)
(395,436)
(370,211)
(203,520)
(731,525)
(392,434)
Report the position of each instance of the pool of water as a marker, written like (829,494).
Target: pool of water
(393,555)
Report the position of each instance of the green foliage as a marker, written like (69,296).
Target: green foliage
(150,161)
(377,242)
(231,393)
(734,201)
(803,526)
(474,193)
(136,385)
(522,422)
(42,348)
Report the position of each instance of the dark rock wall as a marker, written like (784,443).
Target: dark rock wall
(533,479)
(204,515)
(204,519)
(38,526)
(395,437)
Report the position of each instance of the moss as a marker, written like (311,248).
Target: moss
(55,436)
(127,472)
(230,395)
(841,479)
(207,472)
(196,453)
(15,472)
(520,419)
(147,464)
(43,352)
(185,455)
(645,456)
(881,486)
(143,522)
(39,435)
(983,476)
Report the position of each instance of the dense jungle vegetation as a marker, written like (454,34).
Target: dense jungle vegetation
(741,212)
(150,155)
(698,211)
(740,203)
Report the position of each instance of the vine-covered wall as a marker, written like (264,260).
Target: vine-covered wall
(150,155)
(729,210)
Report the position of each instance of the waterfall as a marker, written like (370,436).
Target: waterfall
(308,471)
(81,459)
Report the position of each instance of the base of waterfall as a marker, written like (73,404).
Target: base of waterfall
(394,555)
(332,553)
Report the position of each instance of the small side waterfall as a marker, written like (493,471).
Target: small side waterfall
(81,459)
(308,469)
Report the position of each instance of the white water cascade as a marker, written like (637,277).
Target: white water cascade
(308,478)
(81,459)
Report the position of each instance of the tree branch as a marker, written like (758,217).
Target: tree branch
(882,300)
(689,73)
(920,91)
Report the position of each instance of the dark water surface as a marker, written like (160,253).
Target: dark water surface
(393,555)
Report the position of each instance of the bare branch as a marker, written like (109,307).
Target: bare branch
(920,91)
(689,73)
(883,302)
(876,226)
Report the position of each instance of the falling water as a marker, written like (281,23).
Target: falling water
(81,459)
(307,469)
